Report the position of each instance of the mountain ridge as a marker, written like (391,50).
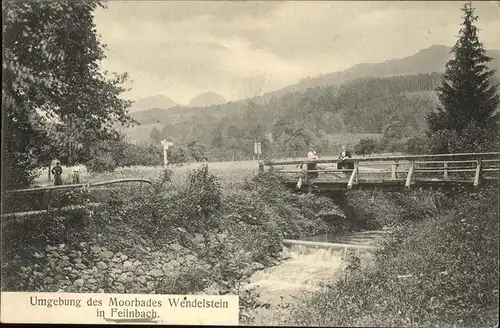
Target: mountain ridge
(427,60)
(205,99)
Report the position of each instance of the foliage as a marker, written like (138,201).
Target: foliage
(417,145)
(367,146)
(469,101)
(101,162)
(52,79)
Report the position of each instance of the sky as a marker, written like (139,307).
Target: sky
(241,49)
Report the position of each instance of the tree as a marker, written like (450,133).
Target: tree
(366,146)
(466,95)
(155,135)
(51,75)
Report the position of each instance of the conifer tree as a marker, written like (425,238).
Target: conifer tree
(469,100)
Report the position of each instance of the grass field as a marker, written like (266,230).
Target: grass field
(230,173)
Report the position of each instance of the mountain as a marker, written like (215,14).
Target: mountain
(207,99)
(158,101)
(429,60)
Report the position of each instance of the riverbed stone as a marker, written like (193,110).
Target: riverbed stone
(81,266)
(257,266)
(155,272)
(176,247)
(78,282)
(48,280)
(127,265)
(101,265)
(106,254)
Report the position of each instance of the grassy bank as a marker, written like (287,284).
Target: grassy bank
(439,267)
(198,233)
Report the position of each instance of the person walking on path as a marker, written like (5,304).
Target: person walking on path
(57,172)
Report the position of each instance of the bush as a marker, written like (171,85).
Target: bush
(101,163)
(417,145)
(367,146)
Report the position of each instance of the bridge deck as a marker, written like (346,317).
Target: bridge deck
(391,173)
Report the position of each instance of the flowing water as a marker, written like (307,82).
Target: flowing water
(303,272)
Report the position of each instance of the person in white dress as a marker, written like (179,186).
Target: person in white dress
(312,156)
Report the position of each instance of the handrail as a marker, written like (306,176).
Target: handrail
(81,185)
(382,158)
(410,165)
(56,209)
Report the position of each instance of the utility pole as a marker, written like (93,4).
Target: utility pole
(165,145)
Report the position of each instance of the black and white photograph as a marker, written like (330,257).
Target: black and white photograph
(324,163)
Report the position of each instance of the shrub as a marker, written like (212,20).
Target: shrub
(101,163)
(367,146)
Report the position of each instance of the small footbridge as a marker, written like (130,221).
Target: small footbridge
(390,173)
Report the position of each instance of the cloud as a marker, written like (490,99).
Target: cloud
(243,48)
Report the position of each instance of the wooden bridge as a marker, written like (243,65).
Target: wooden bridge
(391,173)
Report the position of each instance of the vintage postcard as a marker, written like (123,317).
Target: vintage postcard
(295,163)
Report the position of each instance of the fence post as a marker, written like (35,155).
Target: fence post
(354,175)
(261,166)
(393,171)
(410,175)
(478,173)
(445,176)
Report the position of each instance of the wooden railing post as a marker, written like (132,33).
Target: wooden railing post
(445,175)
(261,166)
(478,173)
(393,171)
(354,175)
(410,175)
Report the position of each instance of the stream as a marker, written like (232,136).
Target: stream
(302,273)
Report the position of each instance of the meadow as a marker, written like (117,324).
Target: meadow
(229,172)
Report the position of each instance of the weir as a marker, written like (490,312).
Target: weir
(309,263)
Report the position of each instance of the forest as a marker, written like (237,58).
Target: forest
(288,125)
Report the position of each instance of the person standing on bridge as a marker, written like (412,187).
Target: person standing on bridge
(312,156)
(57,172)
(343,164)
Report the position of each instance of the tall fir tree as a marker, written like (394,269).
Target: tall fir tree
(469,100)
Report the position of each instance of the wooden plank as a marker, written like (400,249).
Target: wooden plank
(389,158)
(410,174)
(53,210)
(419,170)
(478,173)
(353,177)
(310,171)
(81,185)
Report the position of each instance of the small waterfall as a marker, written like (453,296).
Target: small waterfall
(308,264)
(304,270)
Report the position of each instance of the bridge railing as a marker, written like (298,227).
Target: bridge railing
(21,202)
(464,167)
